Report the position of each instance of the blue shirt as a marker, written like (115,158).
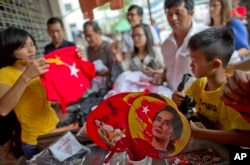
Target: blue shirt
(240,34)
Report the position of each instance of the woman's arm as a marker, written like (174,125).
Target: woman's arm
(243,65)
(9,96)
(242,52)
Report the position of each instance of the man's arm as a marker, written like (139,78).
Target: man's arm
(237,88)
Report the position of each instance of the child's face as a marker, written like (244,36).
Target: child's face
(199,64)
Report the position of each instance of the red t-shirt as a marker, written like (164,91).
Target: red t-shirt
(68,77)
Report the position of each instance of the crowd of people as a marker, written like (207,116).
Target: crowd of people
(211,53)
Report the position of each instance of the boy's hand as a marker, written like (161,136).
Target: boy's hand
(178,97)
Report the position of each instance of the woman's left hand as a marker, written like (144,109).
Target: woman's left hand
(148,71)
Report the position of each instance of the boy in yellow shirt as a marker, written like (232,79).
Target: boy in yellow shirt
(210,52)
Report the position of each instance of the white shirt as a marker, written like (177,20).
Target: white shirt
(128,44)
(177,62)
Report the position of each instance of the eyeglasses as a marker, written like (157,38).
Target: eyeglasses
(131,14)
(137,35)
(214,5)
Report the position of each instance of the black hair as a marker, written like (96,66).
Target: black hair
(214,43)
(94,25)
(54,20)
(139,9)
(176,123)
(10,40)
(157,96)
(189,4)
(149,43)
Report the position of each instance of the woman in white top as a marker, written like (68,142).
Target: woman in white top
(145,57)
(142,65)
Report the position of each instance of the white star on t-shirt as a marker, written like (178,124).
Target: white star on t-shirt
(73,70)
(145,109)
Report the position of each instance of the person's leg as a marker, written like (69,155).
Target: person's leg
(29,150)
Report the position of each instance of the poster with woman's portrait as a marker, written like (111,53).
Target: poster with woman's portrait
(156,119)
(139,118)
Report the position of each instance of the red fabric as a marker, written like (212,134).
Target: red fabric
(61,83)
(87,6)
(243,109)
(241,10)
(116,4)
(101,2)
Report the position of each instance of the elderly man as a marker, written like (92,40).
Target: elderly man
(99,52)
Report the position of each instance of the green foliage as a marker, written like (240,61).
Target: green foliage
(122,15)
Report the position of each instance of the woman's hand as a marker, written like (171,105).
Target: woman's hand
(149,71)
(35,68)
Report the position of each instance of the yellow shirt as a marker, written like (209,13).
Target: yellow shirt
(208,103)
(33,110)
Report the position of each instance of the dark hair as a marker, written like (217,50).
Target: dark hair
(215,42)
(157,96)
(149,43)
(176,123)
(10,40)
(225,13)
(189,4)
(94,25)
(139,9)
(54,20)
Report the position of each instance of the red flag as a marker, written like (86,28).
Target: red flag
(69,76)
